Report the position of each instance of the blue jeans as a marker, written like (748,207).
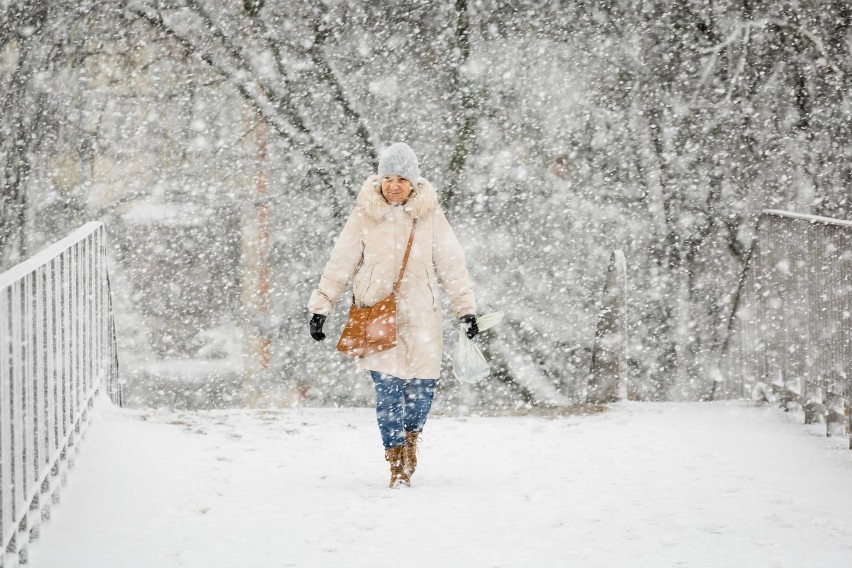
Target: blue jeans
(401,406)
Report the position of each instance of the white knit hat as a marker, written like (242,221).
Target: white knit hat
(399,160)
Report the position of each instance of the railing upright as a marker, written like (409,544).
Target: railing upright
(57,352)
(606,372)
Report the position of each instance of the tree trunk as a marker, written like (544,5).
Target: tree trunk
(466,119)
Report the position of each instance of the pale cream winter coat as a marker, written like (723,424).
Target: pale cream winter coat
(369,252)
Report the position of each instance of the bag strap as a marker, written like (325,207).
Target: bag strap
(404,262)
(405,258)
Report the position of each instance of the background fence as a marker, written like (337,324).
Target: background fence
(57,352)
(790,330)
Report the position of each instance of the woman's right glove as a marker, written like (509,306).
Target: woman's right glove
(316,327)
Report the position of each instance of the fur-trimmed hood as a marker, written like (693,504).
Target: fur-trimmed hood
(422,201)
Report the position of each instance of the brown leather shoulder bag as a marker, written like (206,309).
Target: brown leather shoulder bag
(373,329)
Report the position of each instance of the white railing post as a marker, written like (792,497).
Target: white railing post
(606,372)
(6,486)
(57,352)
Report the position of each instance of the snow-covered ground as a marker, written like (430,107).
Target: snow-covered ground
(643,484)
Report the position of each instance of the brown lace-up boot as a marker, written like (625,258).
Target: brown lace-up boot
(397,474)
(409,453)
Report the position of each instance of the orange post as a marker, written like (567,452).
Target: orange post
(261,133)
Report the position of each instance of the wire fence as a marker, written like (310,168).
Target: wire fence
(790,331)
(57,353)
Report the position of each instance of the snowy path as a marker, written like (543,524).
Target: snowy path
(645,484)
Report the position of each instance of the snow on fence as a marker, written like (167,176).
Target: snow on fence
(57,352)
(790,331)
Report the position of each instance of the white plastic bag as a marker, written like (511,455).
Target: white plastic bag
(469,365)
(487,321)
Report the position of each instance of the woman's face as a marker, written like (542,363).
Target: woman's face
(396,189)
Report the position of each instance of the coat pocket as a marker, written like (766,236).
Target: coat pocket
(430,285)
(361,283)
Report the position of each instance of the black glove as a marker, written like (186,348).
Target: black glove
(316,327)
(472,329)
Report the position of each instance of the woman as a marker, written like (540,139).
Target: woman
(369,251)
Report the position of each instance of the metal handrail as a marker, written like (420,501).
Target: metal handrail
(790,329)
(57,352)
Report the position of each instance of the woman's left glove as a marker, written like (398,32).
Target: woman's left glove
(316,327)
(472,329)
